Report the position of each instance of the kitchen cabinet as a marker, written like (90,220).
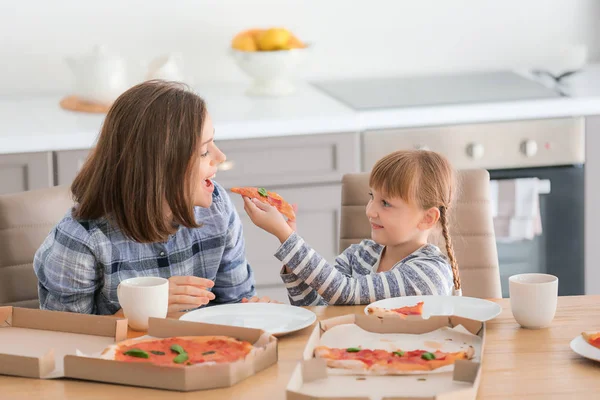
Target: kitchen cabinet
(317,222)
(288,161)
(68,164)
(280,161)
(25,171)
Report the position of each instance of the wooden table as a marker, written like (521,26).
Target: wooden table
(518,363)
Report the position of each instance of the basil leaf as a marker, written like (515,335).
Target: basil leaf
(137,353)
(177,349)
(263,192)
(398,353)
(208,352)
(428,356)
(353,350)
(157,353)
(180,358)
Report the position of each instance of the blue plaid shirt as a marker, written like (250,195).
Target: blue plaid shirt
(81,263)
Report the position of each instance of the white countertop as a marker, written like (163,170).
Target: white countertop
(30,124)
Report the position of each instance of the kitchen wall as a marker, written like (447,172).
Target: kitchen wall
(351,37)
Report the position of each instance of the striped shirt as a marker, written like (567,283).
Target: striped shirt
(81,263)
(353,278)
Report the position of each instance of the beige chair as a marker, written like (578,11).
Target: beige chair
(471,229)
(25,220)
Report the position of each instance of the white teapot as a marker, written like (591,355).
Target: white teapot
(167,67)
(100,77)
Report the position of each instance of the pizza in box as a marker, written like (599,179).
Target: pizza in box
(350,349)
(180,351)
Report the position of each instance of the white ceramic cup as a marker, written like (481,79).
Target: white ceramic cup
(533,299)
(142,298)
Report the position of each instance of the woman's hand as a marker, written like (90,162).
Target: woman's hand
(267,217)
(256,299)
(187,292)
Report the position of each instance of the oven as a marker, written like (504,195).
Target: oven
(559,248)
(551,150)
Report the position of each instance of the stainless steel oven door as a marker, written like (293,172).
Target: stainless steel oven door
(559,250)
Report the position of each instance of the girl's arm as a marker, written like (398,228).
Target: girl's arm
(418,276)
(301,294)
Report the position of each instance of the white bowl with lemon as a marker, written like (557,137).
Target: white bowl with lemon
(270,57)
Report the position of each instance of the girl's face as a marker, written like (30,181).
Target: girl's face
(394,221)
(206,165)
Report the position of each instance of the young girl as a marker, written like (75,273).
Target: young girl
(146,205)
(411,192)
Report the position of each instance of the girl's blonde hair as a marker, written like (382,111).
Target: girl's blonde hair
(420,177)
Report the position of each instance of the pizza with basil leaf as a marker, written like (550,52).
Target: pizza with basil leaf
(179,351)
(271,198)
(389,362)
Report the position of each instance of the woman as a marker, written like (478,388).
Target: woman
(146,205)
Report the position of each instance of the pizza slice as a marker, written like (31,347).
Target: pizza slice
(402,312)
(271,198)
(592,338)
(389,363)
(179,351)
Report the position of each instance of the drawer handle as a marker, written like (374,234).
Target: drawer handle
(226,166)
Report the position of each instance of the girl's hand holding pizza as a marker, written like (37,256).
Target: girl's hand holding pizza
(267,217)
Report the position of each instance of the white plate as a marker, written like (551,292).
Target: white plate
(277,319)
(467,307)
(584,349)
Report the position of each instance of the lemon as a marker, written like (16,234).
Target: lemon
(274,39)
(294,43)
(244,42)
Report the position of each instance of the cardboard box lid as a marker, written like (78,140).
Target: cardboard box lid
(398,325)
(33,342)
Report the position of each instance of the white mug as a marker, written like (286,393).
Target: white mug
(533,299)
(142,298)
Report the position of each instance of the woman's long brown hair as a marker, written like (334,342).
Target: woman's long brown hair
(420,177)
(138,175)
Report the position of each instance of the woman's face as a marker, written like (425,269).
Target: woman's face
(208,159)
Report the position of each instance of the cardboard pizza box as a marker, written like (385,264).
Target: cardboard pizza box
(50,344)
(312,380)
(188,378)
(33,343)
